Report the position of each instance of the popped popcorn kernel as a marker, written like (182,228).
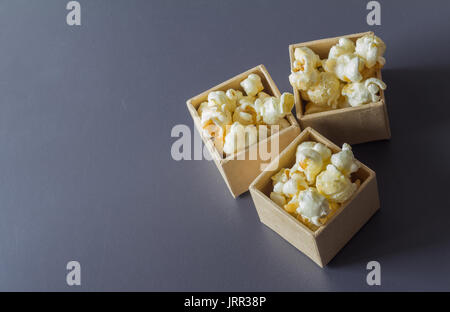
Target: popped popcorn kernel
(364,92)
(232,120)
(371,48)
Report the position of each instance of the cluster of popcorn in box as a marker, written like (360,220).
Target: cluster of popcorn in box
(345,79)
(318,183)
(231,118)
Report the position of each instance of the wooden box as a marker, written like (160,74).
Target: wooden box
(353,125)
(239,170)
(324,243)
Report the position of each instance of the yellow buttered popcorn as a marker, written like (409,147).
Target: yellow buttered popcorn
(343,62)
(345,79)
(239,137)
(312,108)
(346,67)
(234,95)
(232,120)
(345,161)
(272,109)
(304,68)
(296,183)
(221,99)
(371,48)
(280,179)
(310,162)
(252,85)
(317,184)
(302,80)
(311,158)
(245,113)
(287,184)
(262,95)
(244,117)
(326,92)
(292,205)
(306,58)
(334,185)
(370,72)
(278,198)
(364,92)
(312,205)
(214,121)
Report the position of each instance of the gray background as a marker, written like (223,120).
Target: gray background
(86,172)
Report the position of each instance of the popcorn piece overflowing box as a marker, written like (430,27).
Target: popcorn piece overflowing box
(360,67)
(327,195)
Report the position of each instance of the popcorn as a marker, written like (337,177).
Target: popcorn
(306,59)
(234,95)
(283,123)
(364,92)
(312,205)
(304,68)
(272,109)
(334,185)
(310,162)
(245,113)
(371,48)
(333,82)
(243,117)
(280,179)
(310,158)
(278,198)
(295,184)
(247,100)
(252,85)
(346,67)
(343,62)
(212,113)
(222,100)
(239,137)
(216,134)
(323,150)
(310,193)
(345,161)
(371,72)
(326,92)
(305,145)
(312,108)
(303,80)
(292,205)
(343,102)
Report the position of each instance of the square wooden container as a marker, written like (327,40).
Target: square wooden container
(324,243)
(353,125)
(238,170)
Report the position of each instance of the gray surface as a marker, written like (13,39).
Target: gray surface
(85,166)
